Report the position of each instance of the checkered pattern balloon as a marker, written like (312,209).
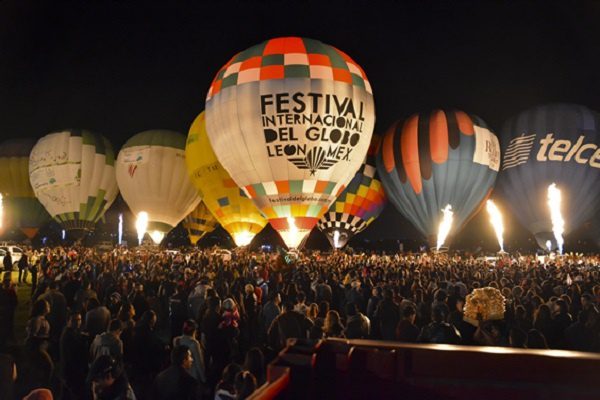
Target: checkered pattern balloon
(359,204)
(291,120)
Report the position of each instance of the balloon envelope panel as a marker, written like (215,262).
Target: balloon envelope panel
(556,143)
(359,204)
(236,213)
(291,120)
(152,177)
(435,159)
(22,208)
(73,175)
(199,223)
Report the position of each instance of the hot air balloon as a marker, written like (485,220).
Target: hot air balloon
(557,143)
(437,159)
(199,223)
(20,203)
(291,120)
(359,204)
(152,178)
(73,175)
(231,207)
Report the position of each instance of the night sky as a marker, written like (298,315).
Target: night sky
(121,67)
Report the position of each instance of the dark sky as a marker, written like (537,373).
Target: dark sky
(120,67)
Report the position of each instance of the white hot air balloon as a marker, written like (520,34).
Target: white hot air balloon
(72,174)
(291,120)
(153,178)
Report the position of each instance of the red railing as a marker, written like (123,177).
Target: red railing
(337,368)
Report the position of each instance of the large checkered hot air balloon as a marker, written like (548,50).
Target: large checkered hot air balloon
(21,208)
(73,175)
(153,178)
(232,208)
(436,159)
(359,204)
(199,222)
(556,143)
(291,120)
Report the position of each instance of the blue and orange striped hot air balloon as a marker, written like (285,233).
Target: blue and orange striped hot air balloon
(436,159)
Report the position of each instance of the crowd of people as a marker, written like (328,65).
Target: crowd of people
(202,324)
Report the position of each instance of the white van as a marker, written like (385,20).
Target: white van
(15,253)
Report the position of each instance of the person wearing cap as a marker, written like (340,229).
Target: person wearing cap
(108,381)
(198,369)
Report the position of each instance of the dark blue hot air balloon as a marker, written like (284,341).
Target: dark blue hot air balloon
(556,143)
(435,159)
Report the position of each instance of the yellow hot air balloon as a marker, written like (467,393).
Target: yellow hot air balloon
(231,207)
(291,120)
(21,206)
(199,223)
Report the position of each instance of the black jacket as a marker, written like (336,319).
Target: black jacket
(174,383)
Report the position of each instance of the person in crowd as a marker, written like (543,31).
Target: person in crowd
(7,262)
(97,317)
(23,266)
(8,305)
(543,323)
(536,340)
(387,316)
(109,342)
(333,325)
(561,321)
(8,376)
(38,327)
(358,325)
(175,382)
(57,317)
(407,331)
(34,268)
(107,380)
(37,368)
(245,384)
(517,337)
(73,358)
(177,310)
(188,339)
(147,353)
(255,364)
(225,389)
(289,324)
(439,331)
(139,300)
(270,311)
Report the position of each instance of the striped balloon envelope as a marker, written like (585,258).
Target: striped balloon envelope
(199,222)
(73,175)
(290,120)
(359,204)
(22,208)
(436,159)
